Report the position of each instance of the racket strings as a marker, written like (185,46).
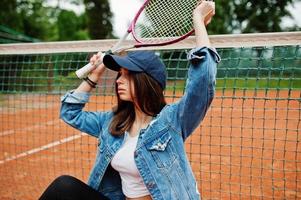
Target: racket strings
(163,21)
(173,21)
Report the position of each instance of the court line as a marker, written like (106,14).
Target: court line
(44,147)
(29,128)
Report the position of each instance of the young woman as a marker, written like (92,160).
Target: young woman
(141,153)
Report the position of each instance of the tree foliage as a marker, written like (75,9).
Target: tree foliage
(261,17)
(224,18)
(9,16)
(99,19)
(249,16)
(37,19)
(70,26)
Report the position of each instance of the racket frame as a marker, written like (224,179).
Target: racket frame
(139,43)
(131,30)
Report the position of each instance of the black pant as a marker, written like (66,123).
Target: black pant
(69,188)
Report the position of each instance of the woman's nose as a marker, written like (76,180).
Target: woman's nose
(119,80)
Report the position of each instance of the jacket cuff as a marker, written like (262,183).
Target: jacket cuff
(199,53)
(75,97)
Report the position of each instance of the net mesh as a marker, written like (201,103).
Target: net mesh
(247,147)
(164,21)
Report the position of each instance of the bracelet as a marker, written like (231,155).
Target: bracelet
(90,82)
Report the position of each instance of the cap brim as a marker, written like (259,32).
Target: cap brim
(115,62)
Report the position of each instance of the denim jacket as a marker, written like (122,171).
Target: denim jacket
(160,154)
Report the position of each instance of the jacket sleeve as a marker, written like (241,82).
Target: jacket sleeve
(72,113)
(190,110)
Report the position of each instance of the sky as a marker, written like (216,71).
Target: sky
(125,10)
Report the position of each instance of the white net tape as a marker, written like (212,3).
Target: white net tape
(218,41)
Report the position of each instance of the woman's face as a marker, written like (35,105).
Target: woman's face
(125,87)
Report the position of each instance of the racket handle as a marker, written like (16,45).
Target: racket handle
(85,70)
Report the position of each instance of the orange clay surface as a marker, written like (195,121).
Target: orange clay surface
(247,147)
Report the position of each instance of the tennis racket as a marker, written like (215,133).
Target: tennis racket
(157,23)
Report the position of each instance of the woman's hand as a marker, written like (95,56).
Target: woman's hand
(99,67)
(204,12)
(96,61)
(94,75)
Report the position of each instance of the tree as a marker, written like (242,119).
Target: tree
(99,19)
(261,17)
(70,26)
(249,16)
(36,19)
(224,19)
(9,16)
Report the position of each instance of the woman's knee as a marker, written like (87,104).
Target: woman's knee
(65,183)
(63,187)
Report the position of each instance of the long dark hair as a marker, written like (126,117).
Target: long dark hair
(149,98)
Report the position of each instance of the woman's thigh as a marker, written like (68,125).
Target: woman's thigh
(67,187)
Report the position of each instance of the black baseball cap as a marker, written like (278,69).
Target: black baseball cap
(139,61)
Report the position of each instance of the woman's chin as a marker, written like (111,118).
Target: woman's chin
(124,98)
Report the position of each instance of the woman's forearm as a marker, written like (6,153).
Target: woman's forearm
(202,38)
(85,86)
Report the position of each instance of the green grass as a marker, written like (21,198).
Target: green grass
(63,83)
(2,99)
(243,83)
(262,83)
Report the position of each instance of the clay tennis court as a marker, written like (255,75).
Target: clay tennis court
(246,148)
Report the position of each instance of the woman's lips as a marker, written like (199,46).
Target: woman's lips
(121,90)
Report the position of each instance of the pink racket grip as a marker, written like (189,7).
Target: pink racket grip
(85,70)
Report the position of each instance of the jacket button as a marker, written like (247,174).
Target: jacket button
(135,154)
(150,184)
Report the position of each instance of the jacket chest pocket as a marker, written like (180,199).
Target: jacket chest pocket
(162,150)
(100,146)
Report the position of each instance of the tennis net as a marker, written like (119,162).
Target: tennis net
(247,147)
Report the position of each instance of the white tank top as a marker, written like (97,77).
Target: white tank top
(123,162)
